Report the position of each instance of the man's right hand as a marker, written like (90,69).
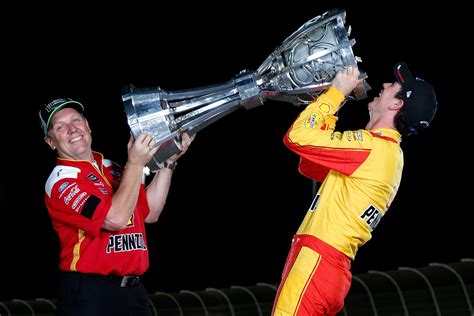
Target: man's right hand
(141,150)
(346,80)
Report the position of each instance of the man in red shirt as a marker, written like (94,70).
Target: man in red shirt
(360,173)
(99,211)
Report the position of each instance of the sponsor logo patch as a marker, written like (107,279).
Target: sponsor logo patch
(67,188)
(126,242)
(371,216)
(324,107)
(63,186)
(93,177)
(72,193)
(312,121)
(78,199)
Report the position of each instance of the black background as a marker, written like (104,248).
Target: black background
(236,197)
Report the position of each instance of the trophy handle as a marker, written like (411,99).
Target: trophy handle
(166,115)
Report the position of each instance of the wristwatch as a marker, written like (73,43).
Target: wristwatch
(171,166)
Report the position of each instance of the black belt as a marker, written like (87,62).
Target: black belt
(124,280)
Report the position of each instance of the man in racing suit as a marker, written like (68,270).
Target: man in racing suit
(360,173)
(99,211)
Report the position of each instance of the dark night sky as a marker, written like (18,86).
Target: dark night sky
(236,197)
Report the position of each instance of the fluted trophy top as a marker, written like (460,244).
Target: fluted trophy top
(305,64)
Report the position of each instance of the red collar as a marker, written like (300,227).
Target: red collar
(390,139)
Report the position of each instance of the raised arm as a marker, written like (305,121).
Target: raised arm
(157,190)
(125,198)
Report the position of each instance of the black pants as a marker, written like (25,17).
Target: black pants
(90,294)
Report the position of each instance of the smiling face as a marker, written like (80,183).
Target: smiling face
(70,135)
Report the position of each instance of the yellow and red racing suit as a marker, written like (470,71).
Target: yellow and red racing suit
(360,173)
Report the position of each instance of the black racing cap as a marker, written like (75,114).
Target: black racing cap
(419,99)
(47,112)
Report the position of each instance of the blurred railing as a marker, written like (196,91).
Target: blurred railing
(437,289)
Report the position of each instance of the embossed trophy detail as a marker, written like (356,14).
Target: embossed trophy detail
(296,72)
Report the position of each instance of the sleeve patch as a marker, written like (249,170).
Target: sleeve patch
(90,206)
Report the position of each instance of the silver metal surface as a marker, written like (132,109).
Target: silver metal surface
(297,72)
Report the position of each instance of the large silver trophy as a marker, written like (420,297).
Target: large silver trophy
(296,72)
